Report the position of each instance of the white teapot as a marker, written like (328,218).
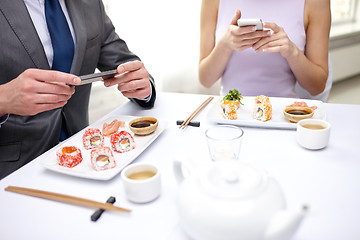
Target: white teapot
(230,200)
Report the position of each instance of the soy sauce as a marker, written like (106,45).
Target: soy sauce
(142,124)
(297,112)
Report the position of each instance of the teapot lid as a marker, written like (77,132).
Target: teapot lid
(231,179)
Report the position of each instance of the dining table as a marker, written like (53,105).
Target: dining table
(325,180)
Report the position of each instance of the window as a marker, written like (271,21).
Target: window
(343,11)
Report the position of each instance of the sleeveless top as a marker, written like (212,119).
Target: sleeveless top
(261,73)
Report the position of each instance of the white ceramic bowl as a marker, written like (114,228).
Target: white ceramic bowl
(138,187)
(313,133)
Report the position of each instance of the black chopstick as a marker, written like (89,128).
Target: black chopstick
(191,123)
(96,215)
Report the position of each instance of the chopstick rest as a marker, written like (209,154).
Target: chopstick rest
(96,215)
(193,124)
(186,122)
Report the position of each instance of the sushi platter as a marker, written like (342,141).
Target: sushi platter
(86,168)
(245,113)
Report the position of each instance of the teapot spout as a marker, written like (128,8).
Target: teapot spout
(284,224)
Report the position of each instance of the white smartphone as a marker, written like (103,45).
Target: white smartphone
(257,22)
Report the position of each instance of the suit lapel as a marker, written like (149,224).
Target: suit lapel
(77,17)
(16,13)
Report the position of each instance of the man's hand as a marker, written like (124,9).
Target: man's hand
(35,91)
(132,80)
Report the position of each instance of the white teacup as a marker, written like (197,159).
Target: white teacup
(313,133)
(142,182)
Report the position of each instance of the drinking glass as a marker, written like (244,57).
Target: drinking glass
(224,142)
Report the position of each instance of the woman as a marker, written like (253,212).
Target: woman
(292,48)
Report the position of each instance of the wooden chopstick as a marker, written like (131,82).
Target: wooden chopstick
(186,122)
(64,198)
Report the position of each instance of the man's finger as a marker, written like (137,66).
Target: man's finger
(53,76)
(129,67)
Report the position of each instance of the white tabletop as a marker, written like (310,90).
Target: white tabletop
(328,180)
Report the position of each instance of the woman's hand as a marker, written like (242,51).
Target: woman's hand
(240,38)
(278,41)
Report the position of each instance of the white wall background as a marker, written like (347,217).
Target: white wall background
(165,35)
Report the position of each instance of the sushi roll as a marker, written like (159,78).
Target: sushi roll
(69,156)
(262,108)
(230,104)
(230,109)
(93,138)
(122,142)
(102,158)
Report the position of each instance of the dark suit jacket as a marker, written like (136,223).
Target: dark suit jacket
(22,138)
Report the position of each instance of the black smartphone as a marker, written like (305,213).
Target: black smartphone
(85,79)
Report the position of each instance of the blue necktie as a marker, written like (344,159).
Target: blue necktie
(62,42)
(61,39)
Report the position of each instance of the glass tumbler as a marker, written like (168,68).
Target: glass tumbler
(224,142)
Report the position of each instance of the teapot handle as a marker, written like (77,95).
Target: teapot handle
(177,168)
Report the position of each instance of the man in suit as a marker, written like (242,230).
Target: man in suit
(41,103)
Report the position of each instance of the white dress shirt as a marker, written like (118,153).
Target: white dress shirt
(36,9)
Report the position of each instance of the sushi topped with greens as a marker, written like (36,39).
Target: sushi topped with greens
(231,103)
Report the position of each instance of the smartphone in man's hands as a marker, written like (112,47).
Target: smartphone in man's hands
(97,76)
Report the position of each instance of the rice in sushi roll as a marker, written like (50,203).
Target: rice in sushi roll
(69,156)
(102,158)
(122,142)
(262,108)
(93,138)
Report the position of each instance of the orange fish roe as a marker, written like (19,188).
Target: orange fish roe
(66,150)
(230,109)
(262,99)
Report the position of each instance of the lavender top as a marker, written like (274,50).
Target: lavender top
(253,73)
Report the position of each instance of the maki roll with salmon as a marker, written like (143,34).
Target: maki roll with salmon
(122,142)
(69,156)
(102,158)
(230,104)
(93,138)
(262,108)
